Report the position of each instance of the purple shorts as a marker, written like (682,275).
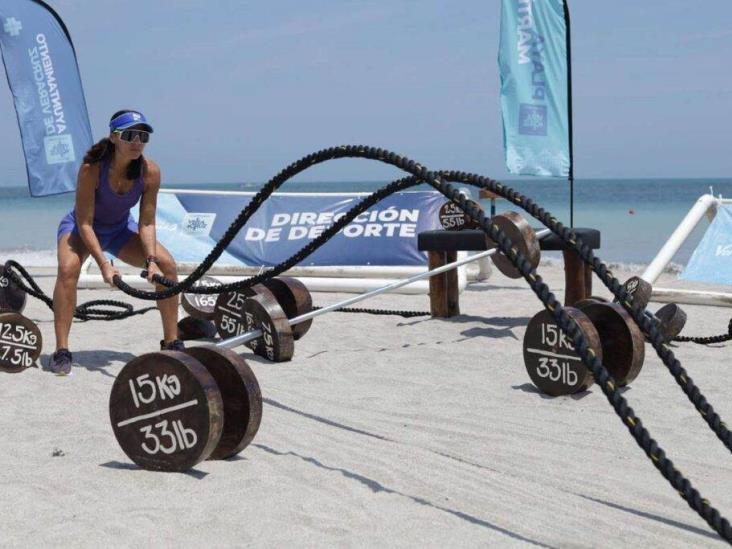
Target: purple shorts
(112,238)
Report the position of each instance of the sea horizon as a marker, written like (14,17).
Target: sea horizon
(635,220)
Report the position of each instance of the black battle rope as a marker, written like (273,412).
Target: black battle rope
(86,311)
(658,457)
(707,340)
(634,424)
(665,466)
(418,175)
(404,314)
(649,325)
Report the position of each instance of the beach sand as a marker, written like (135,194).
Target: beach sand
(382,431)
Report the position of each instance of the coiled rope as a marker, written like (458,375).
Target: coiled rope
(91,310)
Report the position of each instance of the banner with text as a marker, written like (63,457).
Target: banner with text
(533,63)
(40,63)
(190,225)
(712,259)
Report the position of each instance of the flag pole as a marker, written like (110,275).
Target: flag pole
(569,111)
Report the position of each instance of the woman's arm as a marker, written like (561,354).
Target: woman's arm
(148,205)
(85,189)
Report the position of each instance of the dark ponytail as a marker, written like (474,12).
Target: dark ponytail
(99,151)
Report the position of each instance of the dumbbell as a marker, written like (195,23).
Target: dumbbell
(670,318)
(172,409)
(291,295)
(453,218)
(554,365)
(20,342)
(200,308)
(169,411)
(12,298)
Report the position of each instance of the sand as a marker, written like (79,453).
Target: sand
(382,431)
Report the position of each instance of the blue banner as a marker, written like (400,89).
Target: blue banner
(712,259)
(190,224)
(533,62)
(40,63)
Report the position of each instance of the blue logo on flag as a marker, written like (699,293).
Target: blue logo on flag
(532,119)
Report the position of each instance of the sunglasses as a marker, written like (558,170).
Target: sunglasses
(130,135)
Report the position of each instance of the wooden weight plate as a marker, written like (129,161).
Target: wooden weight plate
(166,411)
(241,395)
(195,328)
(295,300)
(262,312)
(200,305)
(228,309)
(623,348)
(639,292)
(20,342)
(12,298)
(551,360)
(453,218)
(592,299)
(672,320)
(524,240)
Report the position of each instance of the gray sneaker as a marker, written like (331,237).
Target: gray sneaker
(60,363)
(175,345)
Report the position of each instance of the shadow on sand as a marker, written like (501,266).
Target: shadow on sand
(94,361)
(377,487)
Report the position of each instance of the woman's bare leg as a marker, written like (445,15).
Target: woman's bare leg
(133,254)
(71,254)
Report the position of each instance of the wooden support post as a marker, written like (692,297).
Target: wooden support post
(438,285)
(588,280)
(575,285)
(452,295)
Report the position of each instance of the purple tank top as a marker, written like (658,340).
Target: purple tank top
(110,208)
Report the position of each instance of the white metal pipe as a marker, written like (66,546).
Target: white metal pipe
(678,237)
(692,297)
(254,334)
(343,271)
(313,284)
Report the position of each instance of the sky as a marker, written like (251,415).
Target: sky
(238,89)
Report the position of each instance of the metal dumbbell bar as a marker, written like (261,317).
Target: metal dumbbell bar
(275,343)
(170,410)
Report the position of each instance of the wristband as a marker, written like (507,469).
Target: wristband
(151,259)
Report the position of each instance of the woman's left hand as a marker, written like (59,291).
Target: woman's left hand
(152,270)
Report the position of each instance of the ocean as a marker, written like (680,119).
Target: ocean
(635,216)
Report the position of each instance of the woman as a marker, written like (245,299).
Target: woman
(112,179)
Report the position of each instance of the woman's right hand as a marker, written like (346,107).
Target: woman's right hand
(109,271)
